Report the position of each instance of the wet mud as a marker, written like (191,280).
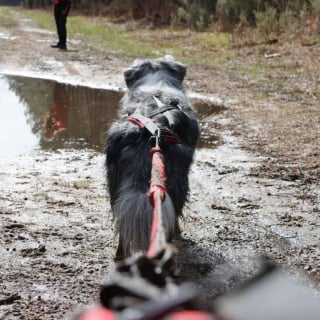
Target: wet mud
(56,233)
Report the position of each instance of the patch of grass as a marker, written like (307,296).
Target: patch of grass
(111,36)
(7,20)
(44,19)
(92,30)
(212,40)
(185,45)
(254,69)
(206,49)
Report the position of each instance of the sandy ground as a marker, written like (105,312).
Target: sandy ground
(255,194)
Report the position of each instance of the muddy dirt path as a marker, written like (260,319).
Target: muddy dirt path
(256,193)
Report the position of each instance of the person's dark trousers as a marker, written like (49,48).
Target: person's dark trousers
(61,11)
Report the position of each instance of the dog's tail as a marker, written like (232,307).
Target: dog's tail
(133,220)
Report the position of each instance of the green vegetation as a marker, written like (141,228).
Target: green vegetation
(43,18)
(246,22)
(7,19)
(268,16)
(90,30)
(139,41)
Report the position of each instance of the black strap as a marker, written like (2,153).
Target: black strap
(162,110)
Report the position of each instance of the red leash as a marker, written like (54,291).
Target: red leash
(157,193)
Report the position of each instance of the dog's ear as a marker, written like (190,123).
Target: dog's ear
(136,71)
(130,76)
(176,69)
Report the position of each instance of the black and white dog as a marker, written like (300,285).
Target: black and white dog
(155,91)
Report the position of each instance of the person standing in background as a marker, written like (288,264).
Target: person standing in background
(61,11)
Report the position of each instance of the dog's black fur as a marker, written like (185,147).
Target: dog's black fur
(151,83)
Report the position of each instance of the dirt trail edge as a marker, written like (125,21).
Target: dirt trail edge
(256,194)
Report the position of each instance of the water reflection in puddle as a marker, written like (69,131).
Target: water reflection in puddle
(57,115)
(45,114)
(16,134)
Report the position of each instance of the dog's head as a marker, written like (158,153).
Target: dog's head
(165,69)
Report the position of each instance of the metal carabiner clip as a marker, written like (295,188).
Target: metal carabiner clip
(155,138)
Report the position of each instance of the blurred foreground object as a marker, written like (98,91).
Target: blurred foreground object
(142,289)
(272,295)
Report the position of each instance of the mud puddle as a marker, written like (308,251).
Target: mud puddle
(48,115)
